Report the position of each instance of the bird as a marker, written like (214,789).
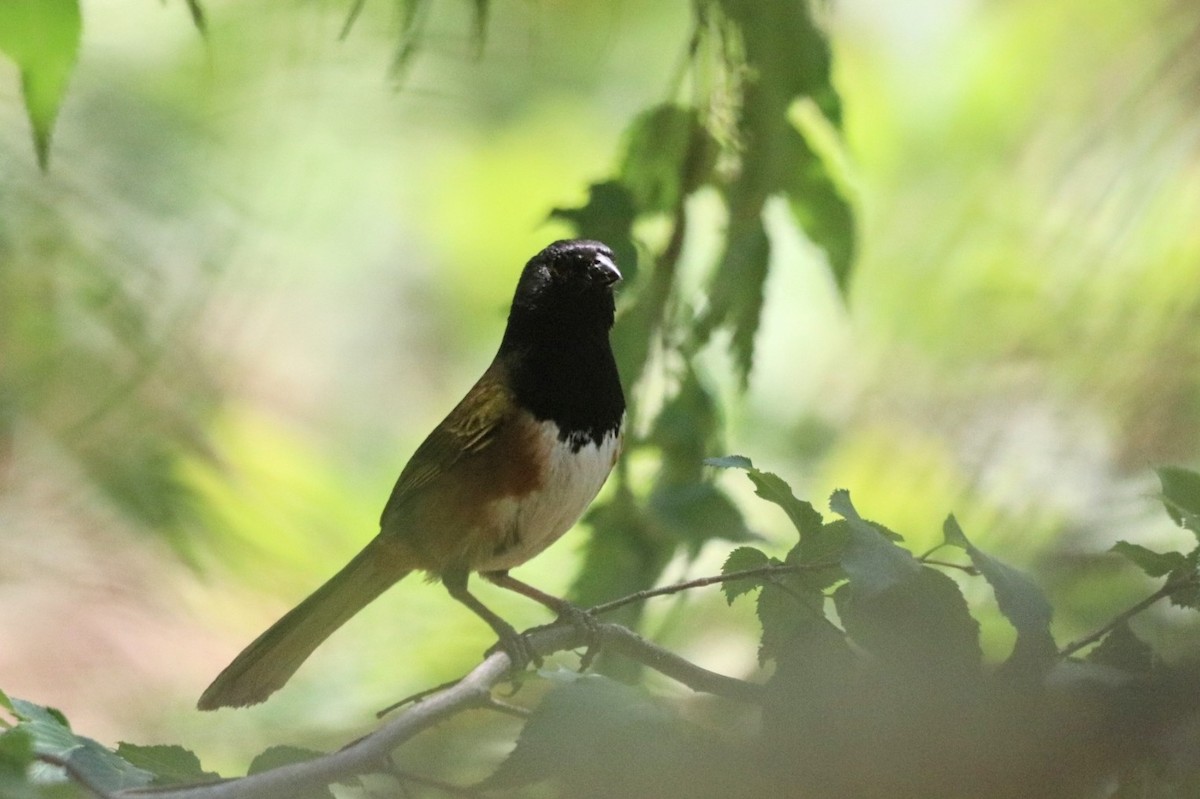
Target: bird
(508,471)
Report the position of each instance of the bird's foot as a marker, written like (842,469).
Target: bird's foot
(517,647)
(586,625)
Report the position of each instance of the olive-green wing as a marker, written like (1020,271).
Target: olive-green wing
(469,429)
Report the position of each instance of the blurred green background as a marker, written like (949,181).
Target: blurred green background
(262,267)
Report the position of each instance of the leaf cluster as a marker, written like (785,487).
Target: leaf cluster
(876,686)
(729,129)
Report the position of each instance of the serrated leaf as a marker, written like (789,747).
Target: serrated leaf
(42,37)
(774,489)
(608,216)
(872,562)
(51,735)
(278,756)
(696,513)
(820,209)
(787,51)
(1123,650)
(790,611)
(592,730)
(730,462)
(913,623)
(820,556)
(168,763)
(282,755)
(1181,496)
(1186,578)
(743,559)
(1154,564)
(668,155)
(1020,599)
(736,292)
(16,756)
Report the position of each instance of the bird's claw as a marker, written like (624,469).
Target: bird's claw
(518,649)
(586,625)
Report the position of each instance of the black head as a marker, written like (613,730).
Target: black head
(572,280)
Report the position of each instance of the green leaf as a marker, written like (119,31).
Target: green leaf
(742,559)
(774,489)
(278,756)
(1154,564)
(607,216)
(730,462)
(1181,496)
(1123,650)
(668,155)
(736,292)
(42,37)
(16,756)
(169,764)
(1020,599)
(872,562)
(199,19)
(696,513)
(787,52)
(51,735)
(820,208)
(790,611)
(592,731)
(913,623)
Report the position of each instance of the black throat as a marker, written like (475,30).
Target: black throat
(562,370)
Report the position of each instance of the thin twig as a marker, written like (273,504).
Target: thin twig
(417,697)
(945,564)
(699,582)
(1167,589)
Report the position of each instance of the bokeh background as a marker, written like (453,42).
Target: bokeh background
(263,265)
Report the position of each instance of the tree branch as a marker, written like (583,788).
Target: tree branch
(371,752)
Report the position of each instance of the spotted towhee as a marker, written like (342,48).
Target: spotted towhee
(500,479)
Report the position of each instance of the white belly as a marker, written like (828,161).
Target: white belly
(569,484)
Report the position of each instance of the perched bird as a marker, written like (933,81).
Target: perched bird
(504,475)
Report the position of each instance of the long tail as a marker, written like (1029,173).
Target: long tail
(263,667)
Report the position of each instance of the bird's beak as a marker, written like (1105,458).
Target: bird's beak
(606,269)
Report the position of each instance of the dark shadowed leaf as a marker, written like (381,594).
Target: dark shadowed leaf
(608,217)
(1020,599)
(591,730)
(278,756)
(872,562)
(913,623)
(736,293)
(774,489)
(168,764)
(820,209)
(1154,564)
(695,513)
(1123,650)
(668,155)
(789,609)
(743,559)
(1181,496)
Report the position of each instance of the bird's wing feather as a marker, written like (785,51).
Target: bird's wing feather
(469,429)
